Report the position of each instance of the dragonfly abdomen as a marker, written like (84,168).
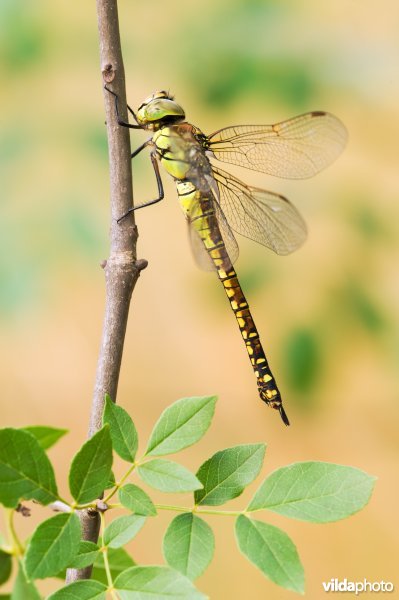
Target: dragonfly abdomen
(200,210)
(267,386)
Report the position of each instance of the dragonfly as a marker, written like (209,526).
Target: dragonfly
(216,204)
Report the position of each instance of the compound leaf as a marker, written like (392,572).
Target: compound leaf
(52,546)
(122,530)
(123,432)
(314,491)
(155,583)
(168,476)
(91,467)
(181,425)
(272,551)
(81,590)
(188,545)
(226,474)
(135,499)
(25,470)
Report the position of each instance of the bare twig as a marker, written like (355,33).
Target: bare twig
(121,269)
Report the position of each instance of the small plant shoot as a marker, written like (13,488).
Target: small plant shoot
(310,491)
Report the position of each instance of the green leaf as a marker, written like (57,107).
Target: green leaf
(119,561)
(135,499)
(123,432)
(168,476)
(24,589)
(181,425)
(46,436)
(188,545)
(314,491)
(91,467)
(5,566)
(81,590)
(87,554)
(52,546)
(155,583)
(226,474)
(25,470)
(111,481)
(272,551)
(122,530)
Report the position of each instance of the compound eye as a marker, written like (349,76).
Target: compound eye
(154,112)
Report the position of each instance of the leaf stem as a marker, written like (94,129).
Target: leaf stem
(203,511)
(104,550)
(226,513)
(92,505)
(18,549)
(120,482)
(175,508)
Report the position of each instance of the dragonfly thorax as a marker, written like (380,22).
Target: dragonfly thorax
(159,110)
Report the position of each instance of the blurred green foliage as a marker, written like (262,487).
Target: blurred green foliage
(361,308)
(243,58)
(302,355)
(22,36)
(233,78)
(13,145)
(20,286)
(95,140)
(370,223)
(256,273)
(82,234)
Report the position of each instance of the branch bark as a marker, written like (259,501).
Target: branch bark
(121,269)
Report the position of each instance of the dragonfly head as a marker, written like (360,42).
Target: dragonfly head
(157,110)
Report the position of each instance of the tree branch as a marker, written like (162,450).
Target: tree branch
(121,269)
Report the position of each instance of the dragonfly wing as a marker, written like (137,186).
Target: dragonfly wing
(265,217)
(219,228)
(294,149)
(214,223)
(228,237)
(201,256)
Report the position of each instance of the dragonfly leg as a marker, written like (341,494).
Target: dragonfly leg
(120,121)
(161,193)
(140,148)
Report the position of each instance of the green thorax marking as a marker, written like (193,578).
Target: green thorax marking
(176,146)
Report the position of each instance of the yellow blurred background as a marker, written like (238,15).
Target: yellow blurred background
(327,314)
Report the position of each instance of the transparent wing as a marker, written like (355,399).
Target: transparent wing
(201,256)
(219,229)
(262,216)
(294,149)
(228,237)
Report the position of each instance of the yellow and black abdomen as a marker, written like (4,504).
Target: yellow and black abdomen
(199,209)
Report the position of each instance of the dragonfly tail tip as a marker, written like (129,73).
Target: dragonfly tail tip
(283,415)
